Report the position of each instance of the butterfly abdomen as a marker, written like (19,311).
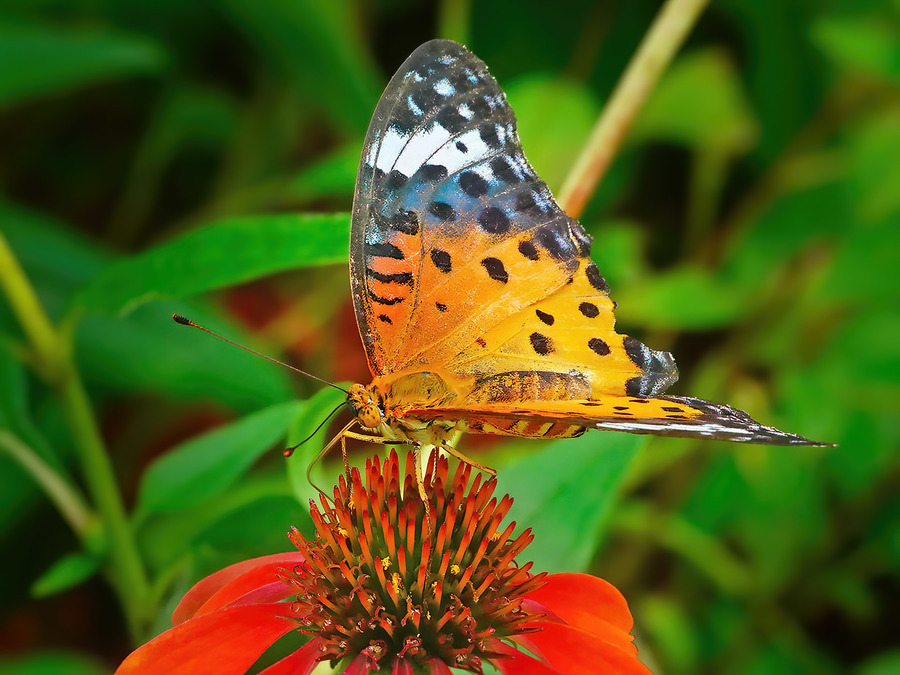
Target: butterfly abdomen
(525,385)
(525,429)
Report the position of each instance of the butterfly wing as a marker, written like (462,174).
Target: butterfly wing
(464,266)
(681,416)
(457,245)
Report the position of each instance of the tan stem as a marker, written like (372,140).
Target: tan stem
(669,30)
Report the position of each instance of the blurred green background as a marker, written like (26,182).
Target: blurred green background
(199,157)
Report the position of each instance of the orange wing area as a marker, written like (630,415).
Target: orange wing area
(682,416)
(571,332)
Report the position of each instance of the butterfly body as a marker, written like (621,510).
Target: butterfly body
(478,303)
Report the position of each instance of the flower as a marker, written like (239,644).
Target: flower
(375,595)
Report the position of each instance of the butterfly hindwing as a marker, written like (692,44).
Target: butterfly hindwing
(680,416)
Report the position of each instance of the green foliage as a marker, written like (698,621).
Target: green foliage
(199,158)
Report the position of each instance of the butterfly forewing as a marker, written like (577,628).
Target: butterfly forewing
(453,230)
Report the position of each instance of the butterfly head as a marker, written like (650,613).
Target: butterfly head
(364,407)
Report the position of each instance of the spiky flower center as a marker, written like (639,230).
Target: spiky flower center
(377,583)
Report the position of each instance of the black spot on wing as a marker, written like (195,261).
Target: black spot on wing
(554,238)
(426,99)
(637,351)
(504,171)
(385,301)
(405,278)
(441,260)
(546,318)
(443,211)
(384,249)
(540,343)
(488,133)
(528,249)
(525,201)
(659,371)
(473,184)
(451,120)
(431,173)
(598,346)
(493,220)
(441,307)
(596,279)
(589,309)
(395,180)
(406,222)
(495,269)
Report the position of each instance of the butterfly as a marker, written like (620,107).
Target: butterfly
(477,301)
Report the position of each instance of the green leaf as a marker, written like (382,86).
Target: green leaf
(684,298)
(885,663)
(555,118)
(700,102)
(317,409)
(867,44)
(874,149)
(618,250)
(333,176)
(667,622)
(165,538)
(52,663)
(256,528)
(209,464)
(220,255)
(147,351)
(68,571)
(565,493)
(37,60)
(56,258)
(319,46)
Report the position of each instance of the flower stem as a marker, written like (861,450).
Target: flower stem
(27,308)
(64,496)
(669,29)
(453,20)
(52,355)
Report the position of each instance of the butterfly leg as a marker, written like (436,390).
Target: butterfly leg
(318,458)
(420,483)
(468,460)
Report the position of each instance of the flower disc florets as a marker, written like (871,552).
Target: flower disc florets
(376,584)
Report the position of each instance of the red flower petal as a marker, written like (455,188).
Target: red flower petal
(225,642)
(572,651)
(259,585)
(301,662)
(590,604)
(206,588)
(358,666)
(402,667)
(438,667)
(520,663)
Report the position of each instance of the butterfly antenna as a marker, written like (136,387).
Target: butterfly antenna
(290,451)
(184,321)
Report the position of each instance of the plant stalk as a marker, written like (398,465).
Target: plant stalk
(54,362)
(669,30)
